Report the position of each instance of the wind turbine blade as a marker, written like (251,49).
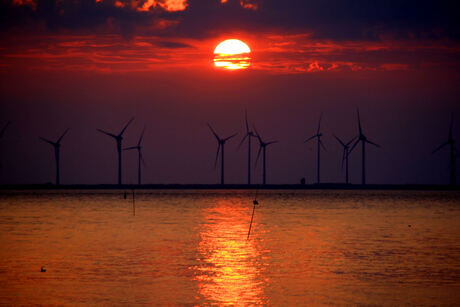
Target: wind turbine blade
(338,140)
(359,123)
(142,136)
(130,148)
(242,141)
(65,132)
(310,138)
(47,141)
(319,123)
(258,155)
(440,146)
(350,141)
(228,138)
(272,142)
(108,133)
(142,159)
(215,134)
(246,120)
(322,145)
(123,131)
(4,128)
(217,155)
(372,143)
(354,145)
(257,135)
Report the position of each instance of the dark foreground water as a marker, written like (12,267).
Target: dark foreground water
(187,248)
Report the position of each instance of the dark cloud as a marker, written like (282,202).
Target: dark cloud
(172,45)
(329,19)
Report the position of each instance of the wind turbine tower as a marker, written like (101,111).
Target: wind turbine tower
(118,138)
(57,154)
(346,153)
(220,144)
(320,144)
(263,147)
(249,135)
(140,159)
(363,139)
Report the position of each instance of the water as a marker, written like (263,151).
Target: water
(187,248)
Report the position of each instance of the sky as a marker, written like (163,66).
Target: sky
(94,64)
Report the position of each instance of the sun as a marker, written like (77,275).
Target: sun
(232,54)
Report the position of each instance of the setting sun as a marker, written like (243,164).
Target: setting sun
(232,54)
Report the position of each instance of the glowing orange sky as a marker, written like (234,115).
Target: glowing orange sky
(273,53)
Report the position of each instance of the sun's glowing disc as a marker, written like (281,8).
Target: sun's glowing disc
(232,54)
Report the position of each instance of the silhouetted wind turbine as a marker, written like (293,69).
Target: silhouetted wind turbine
(118,138)
(221,143)
(248,135)
(57,153)
(363,139)
(346,153)
(139,155)
(318,136)
(263,146)
(450,141)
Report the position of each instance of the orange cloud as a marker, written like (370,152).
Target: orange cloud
(168,5)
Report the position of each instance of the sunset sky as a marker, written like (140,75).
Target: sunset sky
(88,64)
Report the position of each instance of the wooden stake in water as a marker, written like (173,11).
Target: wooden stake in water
(134,205)
(255,202)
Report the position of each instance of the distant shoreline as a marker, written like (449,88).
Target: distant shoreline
(322,186)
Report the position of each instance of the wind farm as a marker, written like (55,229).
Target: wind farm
(347,148)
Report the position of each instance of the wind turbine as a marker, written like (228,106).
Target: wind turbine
(363,139)
(118,138)
(57,153)
(248,135)
(450,141)
(318,136)
(346,153)
(220,143)
(263,146)
(139,155)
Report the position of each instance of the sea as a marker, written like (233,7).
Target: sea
(194,248)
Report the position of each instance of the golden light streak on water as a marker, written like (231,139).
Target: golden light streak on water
(231,265)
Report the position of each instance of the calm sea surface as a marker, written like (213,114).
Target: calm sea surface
(187,248)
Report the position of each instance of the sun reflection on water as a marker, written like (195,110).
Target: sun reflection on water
(230,270)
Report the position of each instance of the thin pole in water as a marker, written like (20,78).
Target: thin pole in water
(255,202)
